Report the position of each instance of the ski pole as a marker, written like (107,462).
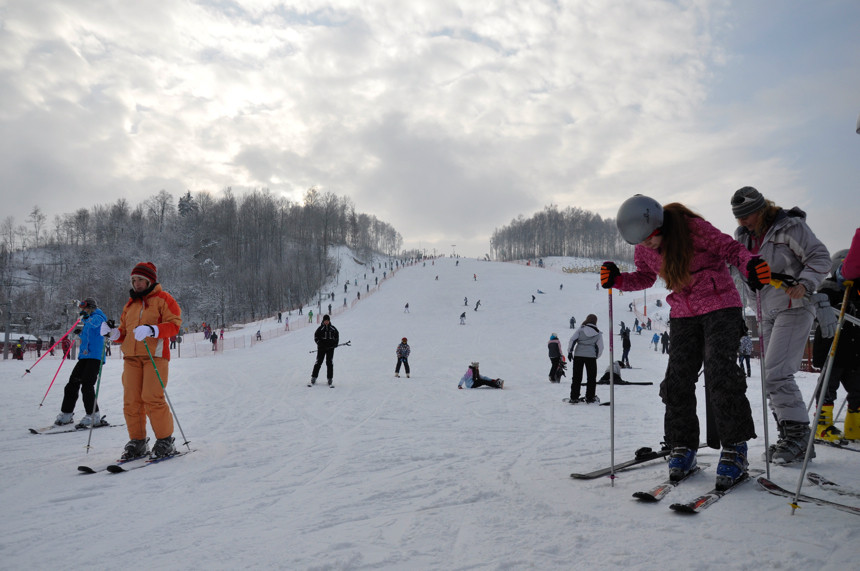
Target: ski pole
(52,347)
(763,381)
(821,391)
(163,388)
(347,344)
(611,393)
(96,399)
(63,360)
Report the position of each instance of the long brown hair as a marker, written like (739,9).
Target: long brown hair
(677,246)
(765,221)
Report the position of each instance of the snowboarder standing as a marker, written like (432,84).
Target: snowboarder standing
(86,371)
(664,342)
(463,318)
(555,357)
(782,238)
(690,255)
(327,338)
(655,340)
(402,351)
(572,322)
(583,349)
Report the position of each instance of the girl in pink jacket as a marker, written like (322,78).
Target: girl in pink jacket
(690,255)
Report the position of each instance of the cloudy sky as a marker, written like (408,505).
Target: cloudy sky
(445,118)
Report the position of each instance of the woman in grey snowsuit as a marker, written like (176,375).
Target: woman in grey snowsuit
(583,349)
(782,238)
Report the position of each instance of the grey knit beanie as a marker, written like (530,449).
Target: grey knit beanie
(747,200)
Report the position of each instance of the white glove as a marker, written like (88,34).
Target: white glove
(111,332)
(141,332)
(826,319)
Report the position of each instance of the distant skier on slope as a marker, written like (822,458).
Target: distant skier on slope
(327,338)
(403,350)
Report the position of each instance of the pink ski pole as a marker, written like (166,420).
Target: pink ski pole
(63,360)
(52,346)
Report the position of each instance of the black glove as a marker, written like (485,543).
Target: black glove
(111,323)
(608,272)
(78,330)
(570,356)
(758,273)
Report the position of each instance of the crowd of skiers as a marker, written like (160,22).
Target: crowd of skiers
(774,258)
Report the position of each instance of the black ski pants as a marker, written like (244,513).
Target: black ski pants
(326,353)
(402,361)
(711,339)
(590,365)
(83,379)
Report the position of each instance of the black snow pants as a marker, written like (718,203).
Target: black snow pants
(326,353)
(83,379)
(712,338)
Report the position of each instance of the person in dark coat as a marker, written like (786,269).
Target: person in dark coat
(555,357)
(327,338)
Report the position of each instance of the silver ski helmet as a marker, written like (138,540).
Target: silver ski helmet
(638,217)
(836,260)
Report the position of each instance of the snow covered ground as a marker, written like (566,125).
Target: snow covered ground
(385,473)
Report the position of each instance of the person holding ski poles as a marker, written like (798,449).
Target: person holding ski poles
(149,319)
(782,238)
(86,370)
(402,351)
(327,338)
(690,255)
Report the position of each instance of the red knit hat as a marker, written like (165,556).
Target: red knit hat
(146,270)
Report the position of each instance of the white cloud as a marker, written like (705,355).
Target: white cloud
(446,119)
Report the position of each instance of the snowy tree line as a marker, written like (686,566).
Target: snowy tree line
(226,259)
(571,232)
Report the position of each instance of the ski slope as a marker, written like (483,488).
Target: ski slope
(385,473)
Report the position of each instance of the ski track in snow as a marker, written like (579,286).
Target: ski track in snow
(387,473)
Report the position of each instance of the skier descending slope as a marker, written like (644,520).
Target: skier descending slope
(327,338)
(690,255)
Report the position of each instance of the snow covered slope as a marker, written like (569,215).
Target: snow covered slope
(385,473)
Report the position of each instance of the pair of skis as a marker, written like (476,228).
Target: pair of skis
(121,466)
(704,501)
(662,489)
(64,428)
(697,504)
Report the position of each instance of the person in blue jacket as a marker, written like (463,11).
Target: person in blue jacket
(472,379)
(86,371)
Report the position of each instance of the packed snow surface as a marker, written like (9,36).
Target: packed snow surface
(387,473)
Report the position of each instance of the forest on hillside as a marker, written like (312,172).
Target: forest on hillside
(228,259)
(553,232)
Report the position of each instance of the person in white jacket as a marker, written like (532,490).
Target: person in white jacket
(583,349)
